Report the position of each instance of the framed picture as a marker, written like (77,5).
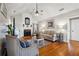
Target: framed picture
(27,21)
(50,24)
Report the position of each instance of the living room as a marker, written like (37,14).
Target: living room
(33,29)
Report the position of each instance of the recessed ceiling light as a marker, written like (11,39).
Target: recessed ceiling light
(61,9)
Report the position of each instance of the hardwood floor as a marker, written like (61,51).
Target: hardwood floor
(60,49)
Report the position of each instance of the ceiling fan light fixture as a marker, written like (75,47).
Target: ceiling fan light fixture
(36,13)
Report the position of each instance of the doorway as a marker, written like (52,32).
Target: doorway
(74,28)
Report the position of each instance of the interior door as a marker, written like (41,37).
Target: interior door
(75,29)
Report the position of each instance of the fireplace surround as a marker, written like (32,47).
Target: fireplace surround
(27,32)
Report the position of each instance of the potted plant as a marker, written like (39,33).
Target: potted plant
(10,30)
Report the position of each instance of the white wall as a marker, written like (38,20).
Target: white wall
(3,23)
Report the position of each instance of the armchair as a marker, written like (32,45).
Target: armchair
(14,48)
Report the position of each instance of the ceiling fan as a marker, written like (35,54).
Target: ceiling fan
(36,11)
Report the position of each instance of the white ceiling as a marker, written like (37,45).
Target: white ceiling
(49,9)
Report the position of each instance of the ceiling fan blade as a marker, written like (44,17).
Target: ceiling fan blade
(41,10)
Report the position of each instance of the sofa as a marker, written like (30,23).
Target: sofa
(48,35)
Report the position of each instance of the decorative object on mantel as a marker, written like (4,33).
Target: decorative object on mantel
(30,25)
(23,25)
(27,21)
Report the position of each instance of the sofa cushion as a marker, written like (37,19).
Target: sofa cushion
(25,44)
(22,44)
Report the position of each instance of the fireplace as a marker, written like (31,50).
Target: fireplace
(27,32)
